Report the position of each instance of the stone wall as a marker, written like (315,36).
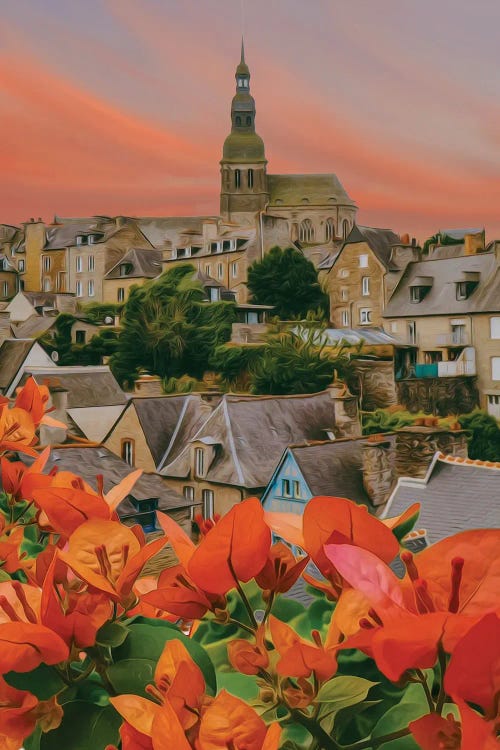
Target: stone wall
(373,381)
(440,396)
(416,446)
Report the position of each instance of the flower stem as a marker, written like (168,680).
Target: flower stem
(425,686)
(442,669)
(243,597)
(373,744)
(323,740)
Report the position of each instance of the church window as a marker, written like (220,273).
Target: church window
(250,178)
(249,120)
(237,178)
(238,120)
(306,232)
(330,230)
(345,228)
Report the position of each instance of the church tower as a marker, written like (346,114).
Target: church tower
(244,189)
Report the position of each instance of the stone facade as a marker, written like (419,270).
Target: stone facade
(416,447)
(441,396)
(378,469)
(373,382)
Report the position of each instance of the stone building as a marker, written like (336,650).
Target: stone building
(448,310)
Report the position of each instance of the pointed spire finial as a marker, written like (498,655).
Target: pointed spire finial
(242,50)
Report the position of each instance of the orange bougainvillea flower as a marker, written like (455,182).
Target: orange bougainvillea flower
(473,674)
(109,557)
(178,691)
(21,712)
(404,621)
(328,520)
(71,611)
(24,646)
(281,570)
(300,658)
(11,556)
(15,474)
(66,501)
(228,722)
(33,399)
(177,594)
(246,657)
(17,431)
(434,732)
(19,602)
(235,549)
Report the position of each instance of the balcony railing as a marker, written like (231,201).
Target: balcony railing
(455,338)
(465,364)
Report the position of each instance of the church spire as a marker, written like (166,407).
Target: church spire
(242,61)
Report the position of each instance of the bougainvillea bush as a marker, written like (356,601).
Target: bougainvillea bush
(214,653)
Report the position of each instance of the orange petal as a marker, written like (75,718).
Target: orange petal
(138,712)
(182,545)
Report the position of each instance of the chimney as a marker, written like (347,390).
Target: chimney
(345,409)
(209,230)
(473,243)
(416,446)
(378,474)
(405,239)
(148,385)
(59,402)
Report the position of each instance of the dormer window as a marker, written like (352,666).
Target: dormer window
(466,284)
(213,293)
(226,245)
(199,462)
(79,239)
(420,287)
(124,269)
(90,239)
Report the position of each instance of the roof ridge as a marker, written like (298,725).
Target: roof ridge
(461,461)
(232,445)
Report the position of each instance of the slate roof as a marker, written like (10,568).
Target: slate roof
(251,432)
(62,301)
(89,461)
(456,495)
(64,234)
(380,241)
(168,422)
(33,327)
(87,386)
(441,299)
(335,468)
(13,352)
(318,189)
(159,229)
(369,335)
(145,264)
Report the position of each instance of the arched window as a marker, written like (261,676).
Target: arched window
(306,233)
(250,178)
(237,178)
(249,120)
(330,230)
(345,228)
(238,120)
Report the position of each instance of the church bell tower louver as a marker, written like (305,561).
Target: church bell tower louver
(244,189)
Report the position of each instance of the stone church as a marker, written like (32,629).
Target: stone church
(257,210)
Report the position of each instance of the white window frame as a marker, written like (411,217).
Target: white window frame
(199,462)
(495,368)
(495,327)
(363,261)
(345,318)
(47,285)
(286,488)
(79,263)
(365,286)
(91,262)
(128,451)
(208,503)
(220,271)
(91,288)
(344,294)
(234,270)
(20,264)
(120,294)
(365,316)
(79,289)
(46,262)
(5,288)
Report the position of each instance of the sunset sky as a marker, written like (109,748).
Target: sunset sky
(122,106)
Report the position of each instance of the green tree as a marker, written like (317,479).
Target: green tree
(287,280)
(168,328)
(295,362)
(484,440)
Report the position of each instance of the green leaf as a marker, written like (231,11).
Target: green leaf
(112,634)
(43,682)
(398,717)
(4,576)
(241,685)
(146,639)
(85,726)
(344,691)
(131,675)
(33,741)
